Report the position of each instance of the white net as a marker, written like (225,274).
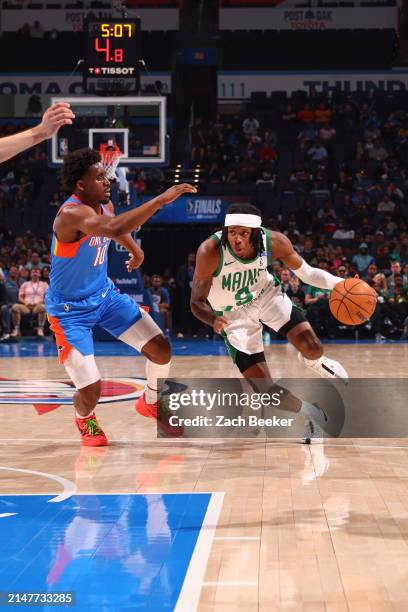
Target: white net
(110,161)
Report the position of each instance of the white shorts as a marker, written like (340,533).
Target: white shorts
(244,330)
(83,370)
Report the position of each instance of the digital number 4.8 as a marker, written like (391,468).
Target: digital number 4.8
(115,55)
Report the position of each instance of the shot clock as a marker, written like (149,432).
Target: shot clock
(112,54)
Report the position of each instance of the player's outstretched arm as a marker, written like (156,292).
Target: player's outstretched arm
(55,116)
(84,219)
(206,263)
(283,249)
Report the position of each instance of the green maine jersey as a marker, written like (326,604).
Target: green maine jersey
(237,282)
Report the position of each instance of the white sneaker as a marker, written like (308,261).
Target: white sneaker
(327,368)
(313,433)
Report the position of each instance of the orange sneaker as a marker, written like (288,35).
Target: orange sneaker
(145,409)
(92,434)
(160,412)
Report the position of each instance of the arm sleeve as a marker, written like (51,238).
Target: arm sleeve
(316,277)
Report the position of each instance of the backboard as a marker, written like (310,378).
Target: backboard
(137,122)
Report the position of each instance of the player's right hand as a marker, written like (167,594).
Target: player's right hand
(168,196)
(219,324)
(56,116)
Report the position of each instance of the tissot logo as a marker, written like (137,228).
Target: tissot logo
(54,393)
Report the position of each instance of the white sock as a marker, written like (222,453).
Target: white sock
(312,362)
(314,413)
(154,371)
(81,416)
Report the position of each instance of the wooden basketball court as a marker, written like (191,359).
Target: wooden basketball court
(287,526)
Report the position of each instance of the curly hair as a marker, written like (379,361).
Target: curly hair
(256,235)
(75,167)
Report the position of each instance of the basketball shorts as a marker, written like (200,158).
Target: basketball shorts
(72,321)
(244,330)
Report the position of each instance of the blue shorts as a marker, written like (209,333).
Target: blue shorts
(72,321)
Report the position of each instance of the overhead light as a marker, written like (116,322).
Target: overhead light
(176,180)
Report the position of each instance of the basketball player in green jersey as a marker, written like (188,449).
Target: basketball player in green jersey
(235,294)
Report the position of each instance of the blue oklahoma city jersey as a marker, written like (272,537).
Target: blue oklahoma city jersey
(79,269)
(81,295)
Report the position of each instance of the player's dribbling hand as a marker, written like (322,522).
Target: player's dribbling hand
(219,324)
(168,196)
(56,116)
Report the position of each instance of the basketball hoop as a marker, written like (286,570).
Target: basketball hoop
(110,161)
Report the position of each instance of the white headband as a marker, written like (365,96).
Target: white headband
(243,220)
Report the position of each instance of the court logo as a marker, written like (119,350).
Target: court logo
(46,395)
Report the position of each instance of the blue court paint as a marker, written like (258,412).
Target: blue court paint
(188,347)
(116,552)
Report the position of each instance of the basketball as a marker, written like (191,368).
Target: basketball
(352,301)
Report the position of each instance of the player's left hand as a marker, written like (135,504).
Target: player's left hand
(56,116)
(133,262)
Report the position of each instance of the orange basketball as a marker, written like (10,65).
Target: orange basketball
(352,301)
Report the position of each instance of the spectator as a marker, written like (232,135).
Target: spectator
(250,126)
(344,231)
(31,301)
(322,114)
(285,275)
(386,205)
(23,275)
(55,201)
(198,141)
(184,281)
(377,151)
(306,115)
(383,308)
(327,134)
(317,153)
(37,31)
(363,259)
(295,292)
(9,290)
(371,271)
(342,271)
(35,262)
(161,299)
(45,274)
(289,115)
(267,153)
(395,273)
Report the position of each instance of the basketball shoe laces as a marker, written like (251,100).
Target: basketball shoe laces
(92,427)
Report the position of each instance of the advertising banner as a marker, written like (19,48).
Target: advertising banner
(54,84)
(240,85)
(71,20)
(354,18)
(198,209)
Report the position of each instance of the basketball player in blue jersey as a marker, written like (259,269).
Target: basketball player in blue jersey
(81,295)
(235,294)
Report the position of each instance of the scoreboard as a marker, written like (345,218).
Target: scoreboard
(112,55)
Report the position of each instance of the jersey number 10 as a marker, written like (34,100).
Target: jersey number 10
(100,255)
